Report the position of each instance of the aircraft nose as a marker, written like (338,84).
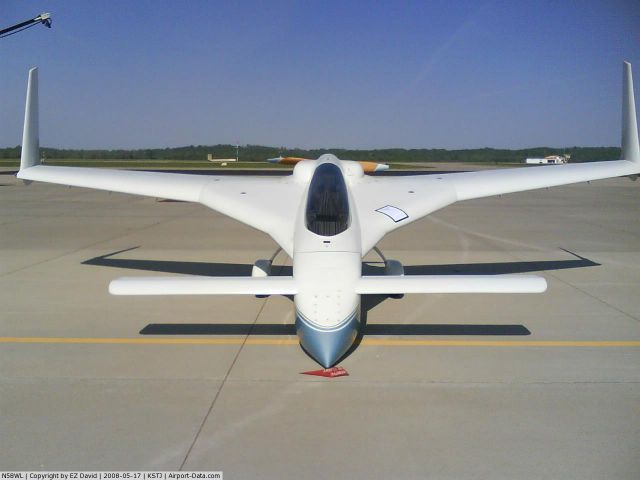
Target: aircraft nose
(327,346)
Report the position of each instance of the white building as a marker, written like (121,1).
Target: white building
(550,160)
(220,160)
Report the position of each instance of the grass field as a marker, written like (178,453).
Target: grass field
(159,164)
(177,164)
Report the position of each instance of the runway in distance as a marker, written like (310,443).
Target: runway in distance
(327,215)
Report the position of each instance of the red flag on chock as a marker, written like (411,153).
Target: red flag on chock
(328,372)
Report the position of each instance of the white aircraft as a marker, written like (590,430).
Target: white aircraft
(326,216)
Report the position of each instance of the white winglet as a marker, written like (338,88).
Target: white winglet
(630,146)
(30,136)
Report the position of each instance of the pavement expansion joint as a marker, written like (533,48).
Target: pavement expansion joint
(219,390)
(84,247)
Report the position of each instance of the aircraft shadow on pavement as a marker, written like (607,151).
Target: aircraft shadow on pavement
(207,269)
(493,268)
(216,269)
(368,301)
(289,329)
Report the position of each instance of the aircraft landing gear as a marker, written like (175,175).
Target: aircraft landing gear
(391,267)
(262,268)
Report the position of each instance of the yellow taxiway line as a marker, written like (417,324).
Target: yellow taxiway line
(294,341)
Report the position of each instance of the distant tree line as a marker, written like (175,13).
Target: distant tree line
(257,153)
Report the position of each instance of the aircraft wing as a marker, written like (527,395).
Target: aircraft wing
(197,285)
(395,284)
(186,188)
(387,203)
(265,203)
(383,284)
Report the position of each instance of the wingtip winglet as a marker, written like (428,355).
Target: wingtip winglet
(630,145)
(30,154)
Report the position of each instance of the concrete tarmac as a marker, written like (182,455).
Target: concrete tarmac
(444,386)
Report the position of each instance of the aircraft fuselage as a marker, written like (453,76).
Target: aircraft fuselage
(327,261)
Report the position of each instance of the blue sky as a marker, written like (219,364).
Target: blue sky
(436,74)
